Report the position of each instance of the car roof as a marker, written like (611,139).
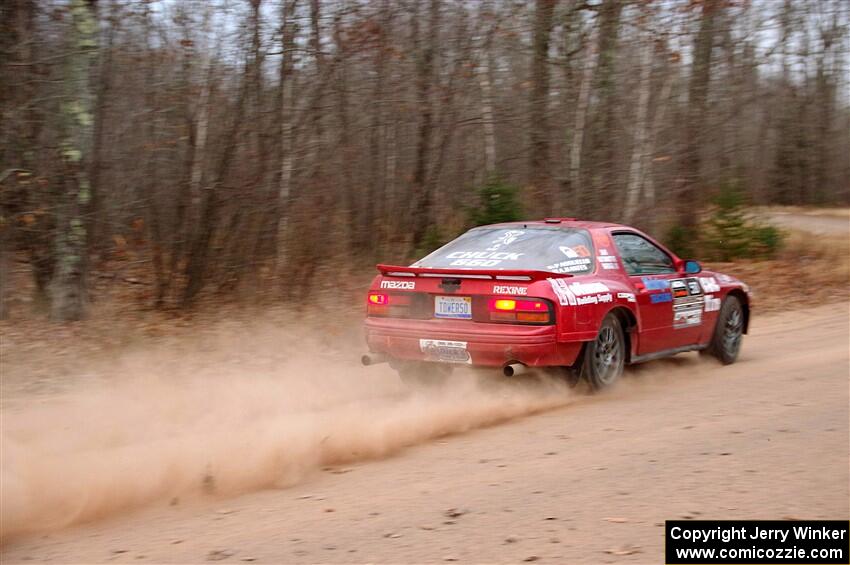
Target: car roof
(559,222)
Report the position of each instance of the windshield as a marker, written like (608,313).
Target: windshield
(556,250)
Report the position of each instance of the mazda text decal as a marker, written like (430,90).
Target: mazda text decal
(401,285)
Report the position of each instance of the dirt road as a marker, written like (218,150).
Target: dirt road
(836,223)
(581,479)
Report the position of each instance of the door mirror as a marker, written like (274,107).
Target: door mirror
(692,267)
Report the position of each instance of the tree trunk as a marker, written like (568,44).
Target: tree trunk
(376,205)
(604,138)
(485,81)
(199,251)
(423,198)
(577,143)
(657,123)
(689,197)
(640,146)
(540,161)
(68,288)
(285,117)
(104,82)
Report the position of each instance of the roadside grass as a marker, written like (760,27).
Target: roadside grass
(810,270)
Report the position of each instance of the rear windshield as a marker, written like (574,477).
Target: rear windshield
(556,250)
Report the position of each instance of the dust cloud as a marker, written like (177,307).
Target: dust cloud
(237,409)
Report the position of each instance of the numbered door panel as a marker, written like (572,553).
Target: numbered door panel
(671,305)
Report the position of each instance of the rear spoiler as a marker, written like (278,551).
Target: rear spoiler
(484,274)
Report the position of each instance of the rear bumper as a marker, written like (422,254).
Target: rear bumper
(491,345)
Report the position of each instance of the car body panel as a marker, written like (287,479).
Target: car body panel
(661,312)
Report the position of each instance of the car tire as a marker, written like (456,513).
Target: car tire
(728,331)
(604,357)
(422,374)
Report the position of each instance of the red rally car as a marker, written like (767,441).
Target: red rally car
(589,296)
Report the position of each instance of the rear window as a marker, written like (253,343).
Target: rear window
(557,250)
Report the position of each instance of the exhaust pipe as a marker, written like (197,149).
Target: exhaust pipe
(373,359)
(514,369)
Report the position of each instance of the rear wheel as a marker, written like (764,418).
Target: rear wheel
(728,332)
(604,357)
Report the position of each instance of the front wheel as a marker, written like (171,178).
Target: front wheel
(728,332)
(604,357)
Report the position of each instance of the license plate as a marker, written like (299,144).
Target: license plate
(456,307)
(445,351)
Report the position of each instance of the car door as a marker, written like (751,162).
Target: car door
(670,304)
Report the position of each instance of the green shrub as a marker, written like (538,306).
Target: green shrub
(498,201)
(432,240)
(682,240)
(768,241)
(731,233)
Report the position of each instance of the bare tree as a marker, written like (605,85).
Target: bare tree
(68,288)
(423,197)
(539,159)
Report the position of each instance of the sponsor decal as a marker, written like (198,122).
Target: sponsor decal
(712,304)
(476,262)
(693,287)
(445,351)
(594,299)
(568,251)
(559,287)
(481,258)
(573,252)
(709,284)
(687,318)
(687,302)
(628,296)
(660,297)
(655,284)
(501,255)
(607,261)
(725,279)
(510,290)
(570,294)
(508,237)
(570,266)
(582,289)
(399,285)
(679,288)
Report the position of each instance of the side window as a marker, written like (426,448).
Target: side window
(641,257)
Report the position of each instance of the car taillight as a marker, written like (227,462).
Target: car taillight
(513,310)
(378,299)
(381,304)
